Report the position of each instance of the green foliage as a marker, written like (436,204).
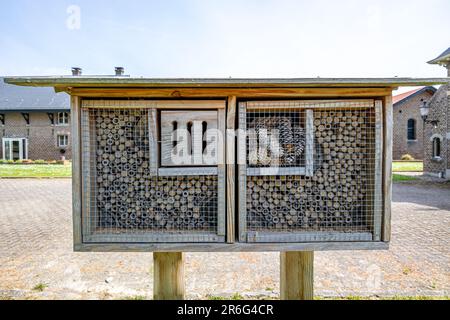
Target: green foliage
(35,171)
(237,296)
(40,287)
(400,178)
(39,161)
(216,298)
(406,271)
(415,166)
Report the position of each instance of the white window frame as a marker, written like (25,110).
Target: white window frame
(65,117)
(58,140)
(23,154)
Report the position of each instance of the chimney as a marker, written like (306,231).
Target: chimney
(119,71)
(76,72)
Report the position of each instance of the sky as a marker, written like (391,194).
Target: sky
(224,38)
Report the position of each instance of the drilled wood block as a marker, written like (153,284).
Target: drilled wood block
(189,138)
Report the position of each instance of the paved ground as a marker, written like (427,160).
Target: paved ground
(36,240)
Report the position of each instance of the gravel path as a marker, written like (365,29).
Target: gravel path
(36,248)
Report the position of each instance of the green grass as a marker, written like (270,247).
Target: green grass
(35,171)
(398,166)
(399,178)
(40,287)
(235,296)
(139,298)
(59,171)
(216,298)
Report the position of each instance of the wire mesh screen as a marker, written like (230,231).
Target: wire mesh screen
(124,199)
(337,195)
(276,138)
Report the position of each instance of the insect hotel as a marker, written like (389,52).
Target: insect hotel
(182,165)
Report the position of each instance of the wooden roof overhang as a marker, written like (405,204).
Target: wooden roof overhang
(127,87)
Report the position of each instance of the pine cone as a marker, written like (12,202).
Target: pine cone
(300,141)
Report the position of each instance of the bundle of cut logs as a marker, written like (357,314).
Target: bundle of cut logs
(336,196)
(128,197)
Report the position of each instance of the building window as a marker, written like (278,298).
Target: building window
(15,148)
(63,118)
(63,141)
(436,147)
(411,129)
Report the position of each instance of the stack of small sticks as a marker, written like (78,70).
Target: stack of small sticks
(128,197)
(337,196)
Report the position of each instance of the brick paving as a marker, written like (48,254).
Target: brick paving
(36,247)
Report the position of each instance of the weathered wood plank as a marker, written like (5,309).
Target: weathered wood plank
(186,130)
(168,273)
(231,168)
(274,171)
(387,167)
(76,171)
(242,165)
(129,82)
(188,171)
(223,92)
(220,154)
(297,275)
(154,237)
(378,170)
(190,104)
(153,141)
(231,247)
(307,236)
(86,175)
(110,102)
(310,104)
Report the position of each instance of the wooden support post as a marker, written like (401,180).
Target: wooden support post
(387,166)
(231,167)
(296,275)
(168,273)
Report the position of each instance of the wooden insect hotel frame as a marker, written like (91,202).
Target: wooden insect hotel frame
(150,171)
(179,165)
(312,171)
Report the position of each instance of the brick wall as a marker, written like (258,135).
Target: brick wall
(41,135)
(403,111)
(439,110)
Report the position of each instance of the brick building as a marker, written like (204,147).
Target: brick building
(408,124)
(437,126)
(34,123)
